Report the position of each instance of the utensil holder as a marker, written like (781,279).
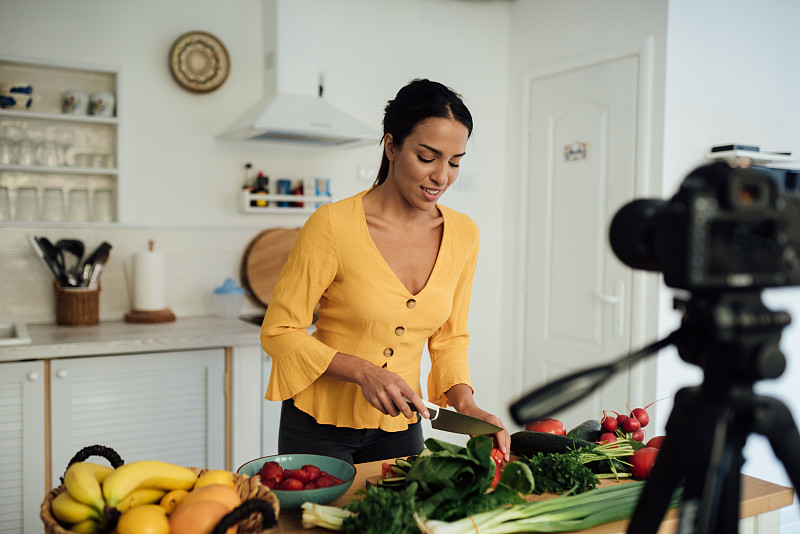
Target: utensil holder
(77,306)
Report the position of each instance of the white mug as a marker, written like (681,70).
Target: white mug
(75,103)
(101,104)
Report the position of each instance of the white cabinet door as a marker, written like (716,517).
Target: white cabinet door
(22,461)
(160,406)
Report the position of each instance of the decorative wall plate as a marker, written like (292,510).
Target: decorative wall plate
(199,62)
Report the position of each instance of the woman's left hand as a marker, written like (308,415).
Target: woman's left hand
(502,438)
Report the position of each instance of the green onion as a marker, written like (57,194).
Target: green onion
(320,515)
(563,514)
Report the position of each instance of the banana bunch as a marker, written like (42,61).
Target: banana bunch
(96,495)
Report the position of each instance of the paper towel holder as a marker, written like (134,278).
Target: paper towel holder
(150,316)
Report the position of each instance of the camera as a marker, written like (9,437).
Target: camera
(726,228)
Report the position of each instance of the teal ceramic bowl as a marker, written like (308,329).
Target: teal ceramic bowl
(291,500)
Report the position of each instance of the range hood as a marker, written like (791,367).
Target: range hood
(294,108)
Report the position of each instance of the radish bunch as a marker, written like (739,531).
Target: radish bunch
(630,425)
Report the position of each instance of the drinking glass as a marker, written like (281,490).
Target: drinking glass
(64,140)
(9,137)
(102,208)
(53,204)
(5,207)
(78,205)
(48,154)
(27,204)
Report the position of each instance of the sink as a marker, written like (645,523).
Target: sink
(13,333)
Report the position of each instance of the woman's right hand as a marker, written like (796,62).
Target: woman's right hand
(383,389)
(390,394)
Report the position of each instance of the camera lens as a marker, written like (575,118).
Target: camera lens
(631,234)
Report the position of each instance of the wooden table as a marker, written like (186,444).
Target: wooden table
(758,497)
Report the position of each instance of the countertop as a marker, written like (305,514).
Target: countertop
(119,337)
(758,497)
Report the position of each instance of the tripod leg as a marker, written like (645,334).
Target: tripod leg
(706,460)
(667,472)
(773,419)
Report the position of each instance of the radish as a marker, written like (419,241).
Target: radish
(621,418)
(641,413)
(631,425)
(609,424)
(642,462)
(608,437)
(638,435)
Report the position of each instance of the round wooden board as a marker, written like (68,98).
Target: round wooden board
(263,260)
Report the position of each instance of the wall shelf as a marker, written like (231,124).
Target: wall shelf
(310,203)
(44,148)
(64,117)
(41,169)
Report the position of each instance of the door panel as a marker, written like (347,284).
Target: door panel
(582,169)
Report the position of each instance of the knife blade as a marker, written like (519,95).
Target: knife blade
(458,423)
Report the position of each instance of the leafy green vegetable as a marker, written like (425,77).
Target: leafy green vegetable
(445,482)
(453,481)
(568,472)
(561,473)
(381,511)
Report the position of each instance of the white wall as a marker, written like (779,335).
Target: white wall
(176,177)
(732,78)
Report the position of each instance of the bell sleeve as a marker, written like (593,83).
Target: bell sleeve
(298,358)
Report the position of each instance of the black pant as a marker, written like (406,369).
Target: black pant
(301,434)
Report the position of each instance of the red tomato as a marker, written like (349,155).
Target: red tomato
(498,457)
(642,462)
(312,470)
(656,442)
(386,470)
(547,425)
(297,474)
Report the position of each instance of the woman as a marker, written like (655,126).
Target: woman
(390,269)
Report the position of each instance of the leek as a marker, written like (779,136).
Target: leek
(325,516)
(563,514)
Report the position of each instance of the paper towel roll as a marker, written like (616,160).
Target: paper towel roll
(149,292)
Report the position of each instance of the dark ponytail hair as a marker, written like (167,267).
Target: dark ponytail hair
(419,100)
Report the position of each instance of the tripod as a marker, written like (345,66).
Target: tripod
(734,338)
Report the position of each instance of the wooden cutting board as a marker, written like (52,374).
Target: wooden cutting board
(263,260)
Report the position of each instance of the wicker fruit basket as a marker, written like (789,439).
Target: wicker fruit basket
(258,512)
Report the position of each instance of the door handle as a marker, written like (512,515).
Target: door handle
(618,301)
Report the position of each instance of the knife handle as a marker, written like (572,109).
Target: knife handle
(432,409)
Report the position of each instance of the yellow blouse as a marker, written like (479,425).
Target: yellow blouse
(364,310)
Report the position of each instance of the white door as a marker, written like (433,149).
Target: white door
(583,134)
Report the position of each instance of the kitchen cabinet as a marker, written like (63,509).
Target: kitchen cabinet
(44,148)
(22,442)
(167,406)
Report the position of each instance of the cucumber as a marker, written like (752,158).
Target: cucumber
(529,442)
(589,430)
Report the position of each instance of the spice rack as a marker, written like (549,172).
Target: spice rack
(310,203)
(86,152)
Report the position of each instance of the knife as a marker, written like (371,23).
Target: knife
(452,421)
